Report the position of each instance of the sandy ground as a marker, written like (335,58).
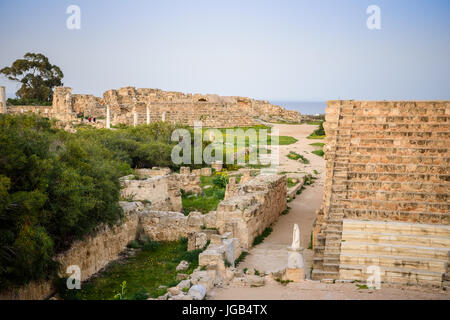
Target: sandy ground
(271,255)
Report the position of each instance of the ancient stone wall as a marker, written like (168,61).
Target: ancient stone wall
(45,111)
(386,161)
(133,106)
(171,226)
(253,207)
(160,192)
(90,254)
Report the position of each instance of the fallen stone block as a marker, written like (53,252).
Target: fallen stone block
(184,265)
(197,292)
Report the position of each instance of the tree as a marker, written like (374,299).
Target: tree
(37,76)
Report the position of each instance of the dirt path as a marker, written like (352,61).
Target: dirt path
(271,255)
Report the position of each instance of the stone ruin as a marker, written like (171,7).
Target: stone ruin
(133,106)
(386,195)
(251,207)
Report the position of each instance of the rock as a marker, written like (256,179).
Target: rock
(204,278)
(255,281)
(185,284)
(197,292)
(174,291)
(162,287)
(195,219)
(197,240)
(238,273)
(164,297)
(229,275)
(182,276)
(184,265)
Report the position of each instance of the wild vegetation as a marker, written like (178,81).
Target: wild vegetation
(319,133)
(213,192)
(37,77)
(57,187)
(145,275)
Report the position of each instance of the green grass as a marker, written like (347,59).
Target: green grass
(293,155)
(205,202)
(290,183)
(283,282)
(313,136)
(241,258)
(143,274)
(311,242)
(286,211)
(285,140)
(319,153)
(318,144)
(259,239)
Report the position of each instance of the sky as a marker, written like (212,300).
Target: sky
(275,50)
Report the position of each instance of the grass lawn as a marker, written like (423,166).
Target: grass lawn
(143,274)
(205,202)
(291,183)
(319,153)
(295,156)
(318,144)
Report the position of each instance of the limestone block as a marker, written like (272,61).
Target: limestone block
(195,219)
(295,275)
(198,292)
(185,284)
(197,240)
(174,291)
(206,172)
(182,266)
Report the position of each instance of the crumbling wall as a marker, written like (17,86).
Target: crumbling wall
(161,192)
(386,161)
(253,207)
(171,226)
(90,254)
(173,107)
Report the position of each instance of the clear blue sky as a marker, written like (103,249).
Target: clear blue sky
(275,50)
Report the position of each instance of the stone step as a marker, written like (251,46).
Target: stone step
(400,228)
(410,263)
(318,274)
(396,239)
(392,275)
(333,267)
(394,250)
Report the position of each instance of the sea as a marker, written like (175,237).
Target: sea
(304,107)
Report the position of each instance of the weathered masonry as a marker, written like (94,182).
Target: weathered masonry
(133,106)
(386,196)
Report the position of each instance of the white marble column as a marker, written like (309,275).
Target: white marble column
(135,119)
(163,117)
(108,117)
(148,115)
(3,100)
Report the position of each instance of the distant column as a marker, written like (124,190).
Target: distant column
(3,100)
(108,117)
(135,119)
(163,117)
(148,115)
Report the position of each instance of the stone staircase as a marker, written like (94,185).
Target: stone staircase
(407,253)
(386,161)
